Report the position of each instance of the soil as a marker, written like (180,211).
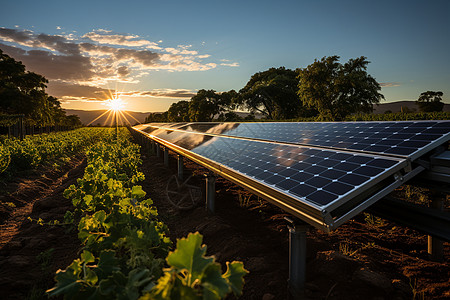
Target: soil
(363,258)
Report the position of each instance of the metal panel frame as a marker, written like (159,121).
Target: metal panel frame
(319,216)
(413,156)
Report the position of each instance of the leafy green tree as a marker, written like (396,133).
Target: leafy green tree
(72,121)
(206,104)
(337,90)
(23,92)
(230,116)
(156,118)
(178,112)
(430,101)
(20,90)
(273,94)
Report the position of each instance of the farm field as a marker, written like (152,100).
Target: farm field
(365,258)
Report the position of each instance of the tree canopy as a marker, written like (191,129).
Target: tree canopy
(430,101)
(157,117)
(206,104)
(178,112)
(23,92)
(337,90)
(272,93)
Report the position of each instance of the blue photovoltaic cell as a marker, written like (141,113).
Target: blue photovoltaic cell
(307,174)
(321,165)
(391,138)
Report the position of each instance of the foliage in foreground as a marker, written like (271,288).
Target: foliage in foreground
(192,275)
(125,246)
(33,151)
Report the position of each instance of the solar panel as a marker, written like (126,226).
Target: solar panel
(324,173)
(317,184)
(403,138)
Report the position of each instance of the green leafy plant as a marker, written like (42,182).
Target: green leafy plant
(345,249)
(374,221)
(244,200)
(192,275)
(125,245)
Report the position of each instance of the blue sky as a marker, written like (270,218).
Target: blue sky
(158,52)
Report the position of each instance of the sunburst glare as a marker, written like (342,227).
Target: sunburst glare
(116,104)
(116,114)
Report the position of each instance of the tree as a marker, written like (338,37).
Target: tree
(20,91)
(272,93)
(156,118)
(73,121)
(178,112)
(23,92)
(206,104)
(430,101)
(337,90)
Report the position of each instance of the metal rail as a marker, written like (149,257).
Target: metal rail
(421,218)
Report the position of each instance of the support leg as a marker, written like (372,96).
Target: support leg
(158,151)
(435,245)
(166,156)
(153,147)
(180,167)
(297,256)
(210,192)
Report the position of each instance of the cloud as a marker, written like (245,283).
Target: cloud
(235,64)
(67,67)
(71,91)
(389,84)
(103,37)
(79,65)
(162,93)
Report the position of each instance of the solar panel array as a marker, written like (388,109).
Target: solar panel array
(405,139)
(318,165)
(317,176)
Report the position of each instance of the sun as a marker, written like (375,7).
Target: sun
(116,104)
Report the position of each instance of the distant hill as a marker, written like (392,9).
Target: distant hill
(397,107)
(87,116)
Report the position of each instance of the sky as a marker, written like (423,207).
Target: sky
(154,53)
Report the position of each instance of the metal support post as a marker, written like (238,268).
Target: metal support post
(297,256)
(210,192)
(166,156)
(21,128)
(435,245)
(180,167)
(158,151)
(153,147)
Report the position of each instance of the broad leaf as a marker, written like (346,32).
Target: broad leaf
(214,285)
(235,276)
(190,255)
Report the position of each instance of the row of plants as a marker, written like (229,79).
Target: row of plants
(32,151)
(400,116)
(126,252)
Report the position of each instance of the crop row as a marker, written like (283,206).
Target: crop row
(17,155)
(125,246)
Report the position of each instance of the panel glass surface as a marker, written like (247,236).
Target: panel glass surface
(407,139)
(315,176)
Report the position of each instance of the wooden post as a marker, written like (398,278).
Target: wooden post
(21,128)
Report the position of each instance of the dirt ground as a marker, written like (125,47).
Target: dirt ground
(364,258)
